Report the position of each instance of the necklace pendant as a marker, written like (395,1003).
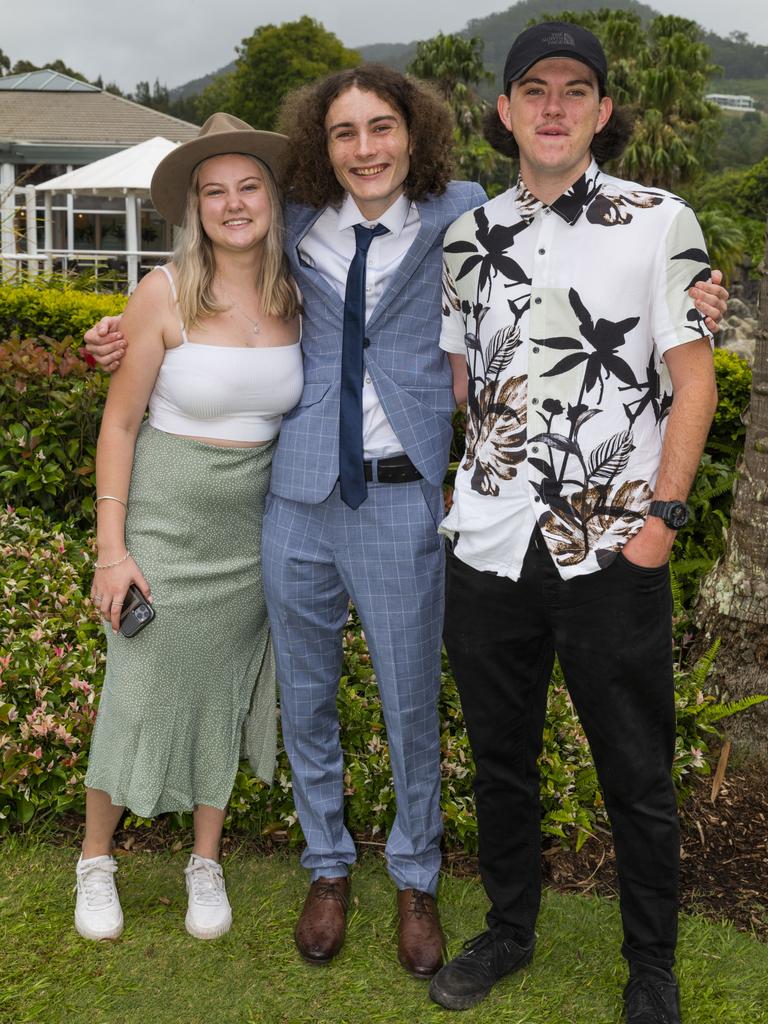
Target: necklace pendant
(257,328)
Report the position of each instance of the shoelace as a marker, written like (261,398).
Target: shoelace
(330,891)
(206,880)
(477,944)
(419,906)
(97,883)
(646,996)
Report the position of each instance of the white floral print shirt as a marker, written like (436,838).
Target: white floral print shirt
(564,313)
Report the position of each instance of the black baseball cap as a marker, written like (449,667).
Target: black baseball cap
(554,39)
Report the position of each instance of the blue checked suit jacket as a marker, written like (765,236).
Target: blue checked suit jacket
(408,369)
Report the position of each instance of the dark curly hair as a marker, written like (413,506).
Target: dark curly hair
(607,145)
(308,176)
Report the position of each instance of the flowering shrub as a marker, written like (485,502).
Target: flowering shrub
(51,664)
(51,405)
(51,670)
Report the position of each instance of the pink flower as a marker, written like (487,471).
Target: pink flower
(37,753)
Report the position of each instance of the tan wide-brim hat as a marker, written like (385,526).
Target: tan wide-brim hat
(221,133)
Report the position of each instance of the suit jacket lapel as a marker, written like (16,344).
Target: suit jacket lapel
(299,220)
(431,226)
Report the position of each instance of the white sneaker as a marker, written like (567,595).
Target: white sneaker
(98,914)
(209,914)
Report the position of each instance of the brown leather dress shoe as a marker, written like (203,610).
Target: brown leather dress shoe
(320,930)
(421,943)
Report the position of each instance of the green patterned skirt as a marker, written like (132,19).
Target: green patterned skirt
(191,693)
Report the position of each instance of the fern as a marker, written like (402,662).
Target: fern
(701,669)
(714,712)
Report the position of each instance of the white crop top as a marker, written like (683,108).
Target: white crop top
(225,392)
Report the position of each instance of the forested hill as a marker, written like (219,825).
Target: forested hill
(739,58)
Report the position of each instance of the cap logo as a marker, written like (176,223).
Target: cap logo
(559,39)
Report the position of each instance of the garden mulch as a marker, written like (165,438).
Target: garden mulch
(724,847)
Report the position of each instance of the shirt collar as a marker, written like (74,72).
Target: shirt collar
(569,205)
(393,218)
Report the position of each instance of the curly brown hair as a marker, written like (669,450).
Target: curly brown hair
(607,145)
(308,176)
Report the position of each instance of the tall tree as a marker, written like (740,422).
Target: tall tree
(455,65)
(271,62)
(733,604)
(661,73)
(675,127)
(156,97)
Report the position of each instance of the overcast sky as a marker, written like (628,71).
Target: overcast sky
(178,40)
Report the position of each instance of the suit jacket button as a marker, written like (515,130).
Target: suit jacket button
(366,342)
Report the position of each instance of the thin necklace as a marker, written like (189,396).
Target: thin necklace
(254,323)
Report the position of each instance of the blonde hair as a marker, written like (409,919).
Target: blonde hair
(195,263)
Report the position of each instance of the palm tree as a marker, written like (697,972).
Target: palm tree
(455,65)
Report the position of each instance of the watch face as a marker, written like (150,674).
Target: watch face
(677,515)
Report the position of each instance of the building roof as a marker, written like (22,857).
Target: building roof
(130,170)
(43,111)
(45,80)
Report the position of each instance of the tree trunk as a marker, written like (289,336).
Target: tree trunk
(733,604)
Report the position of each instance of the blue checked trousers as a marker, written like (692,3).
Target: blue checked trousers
(387,557)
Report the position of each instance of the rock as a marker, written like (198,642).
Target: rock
(738,334)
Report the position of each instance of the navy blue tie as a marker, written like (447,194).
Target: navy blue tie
(351,471)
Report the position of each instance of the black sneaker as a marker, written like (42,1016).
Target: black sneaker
(469,977)
(652,997)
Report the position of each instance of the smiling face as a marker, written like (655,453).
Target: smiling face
(369,149)
(554,111)
(235,208)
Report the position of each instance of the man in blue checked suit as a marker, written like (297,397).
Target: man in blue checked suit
(356,480)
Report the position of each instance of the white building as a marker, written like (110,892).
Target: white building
(49,125)
(730,102)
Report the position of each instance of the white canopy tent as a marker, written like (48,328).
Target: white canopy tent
(127,173)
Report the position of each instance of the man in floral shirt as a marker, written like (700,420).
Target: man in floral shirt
(568,295)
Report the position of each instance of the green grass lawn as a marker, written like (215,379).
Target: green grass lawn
(156,973)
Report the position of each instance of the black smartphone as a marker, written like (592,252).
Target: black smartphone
(137,612)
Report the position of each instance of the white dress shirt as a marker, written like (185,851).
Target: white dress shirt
(329,246)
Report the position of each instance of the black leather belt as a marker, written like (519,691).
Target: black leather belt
(397,469)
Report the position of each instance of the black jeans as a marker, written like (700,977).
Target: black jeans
(612,631)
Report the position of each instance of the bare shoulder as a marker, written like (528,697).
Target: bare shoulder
(153,290)
(151,307)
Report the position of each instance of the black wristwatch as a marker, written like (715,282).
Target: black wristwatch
(673,514)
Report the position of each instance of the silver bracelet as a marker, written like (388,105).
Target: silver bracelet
(110,497)
(111,565)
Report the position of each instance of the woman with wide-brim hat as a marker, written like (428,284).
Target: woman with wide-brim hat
(214,354)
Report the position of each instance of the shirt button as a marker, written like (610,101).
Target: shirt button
(542,251)
(534,401)
(367,380)
(369,289)
(547,211)
(537,498)
(534,448)
(537,301)
(536,348)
